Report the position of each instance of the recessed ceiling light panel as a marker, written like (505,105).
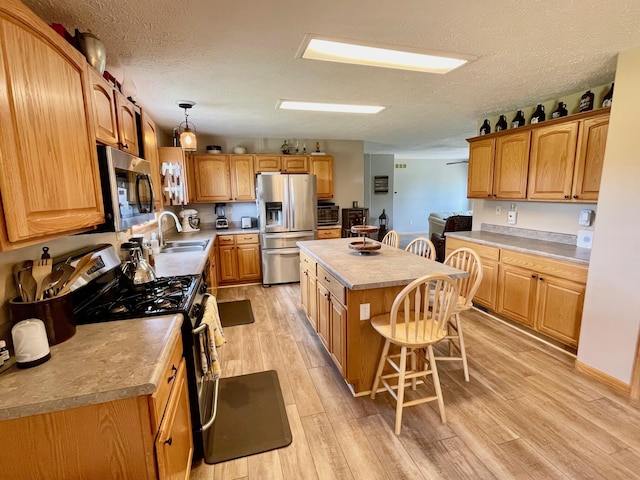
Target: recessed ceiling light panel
(315,47)
(328,107)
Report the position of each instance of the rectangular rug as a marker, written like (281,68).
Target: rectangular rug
(251,418)
(235,313)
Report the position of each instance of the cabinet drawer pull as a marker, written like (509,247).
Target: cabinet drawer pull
(174,371)
(168,441)
(534,276)
(327,280)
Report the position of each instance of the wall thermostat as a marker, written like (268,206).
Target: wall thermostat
(585,218)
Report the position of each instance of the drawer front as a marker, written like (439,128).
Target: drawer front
(331,283)
(568,271)
(324,233)
(161,396)
(308,263)
(247,238)
(485,251)
(226,239)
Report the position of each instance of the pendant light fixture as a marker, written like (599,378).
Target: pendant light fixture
(188,140)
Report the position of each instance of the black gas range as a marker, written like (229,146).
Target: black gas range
(106,295)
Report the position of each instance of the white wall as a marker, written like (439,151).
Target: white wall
(426,186)
(611,318)
(378,165)
(543,216)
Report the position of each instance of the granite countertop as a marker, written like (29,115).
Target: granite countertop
(100,363)
(386,267)
(555,250)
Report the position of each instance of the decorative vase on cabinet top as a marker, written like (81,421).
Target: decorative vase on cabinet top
(93,49)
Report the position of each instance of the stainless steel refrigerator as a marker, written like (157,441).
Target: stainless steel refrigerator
(288,213)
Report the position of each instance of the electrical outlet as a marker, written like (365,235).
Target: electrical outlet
(365,311)
(512,216)
(498,210)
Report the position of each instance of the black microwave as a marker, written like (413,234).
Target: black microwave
(328,214)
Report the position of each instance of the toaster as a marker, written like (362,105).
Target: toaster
(245,222)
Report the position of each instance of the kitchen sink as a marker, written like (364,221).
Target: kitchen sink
(184,246)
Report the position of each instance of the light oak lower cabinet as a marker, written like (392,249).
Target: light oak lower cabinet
(143,438)
(332,317)
(544,294)
(239,258)
(326,233)
(309,288)
(212,273)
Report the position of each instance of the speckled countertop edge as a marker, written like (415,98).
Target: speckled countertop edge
(102,362)
(387,267)
(557,251)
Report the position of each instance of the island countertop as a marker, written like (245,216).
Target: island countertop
(100,363)
(386,267)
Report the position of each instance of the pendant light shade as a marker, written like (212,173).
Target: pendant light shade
(188,140)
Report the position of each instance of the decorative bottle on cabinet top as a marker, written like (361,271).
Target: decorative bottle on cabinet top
(502,123)
(518,120)
(486,127)
(561,111)
(538,115)
(608,98)
(586,101)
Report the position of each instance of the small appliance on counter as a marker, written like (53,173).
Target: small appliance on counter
(190,220)
(30,343)
(221,221)
(245,222)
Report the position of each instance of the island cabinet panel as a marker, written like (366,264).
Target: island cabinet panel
(309,289)
(324,312)
(332,320)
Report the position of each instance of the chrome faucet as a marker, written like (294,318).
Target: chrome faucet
(160,217)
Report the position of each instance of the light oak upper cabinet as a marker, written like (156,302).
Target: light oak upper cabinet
(556,160)
(481,158)
(282,163)
(267,163)
(104,109)
(210,178)
(115,116)
(592,140)
(498,167)
(150,150)
(222,178)
(49,179)
(322,168)
(243,183)
(511,165)
(553,153)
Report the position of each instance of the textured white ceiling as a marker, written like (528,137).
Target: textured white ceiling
(236,59)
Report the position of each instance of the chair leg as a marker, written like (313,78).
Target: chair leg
(414,368)
(436,383)
(463,352)
(383,360)
(400,400)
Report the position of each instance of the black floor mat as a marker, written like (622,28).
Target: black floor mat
(235,313)
(251,418)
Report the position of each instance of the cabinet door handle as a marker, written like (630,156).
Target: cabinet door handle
(168,441)
(566,196)
(541,279)
(534,276)
(488,194)
(174,372)
(575,196)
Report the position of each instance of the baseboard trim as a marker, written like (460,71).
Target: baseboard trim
(603,377)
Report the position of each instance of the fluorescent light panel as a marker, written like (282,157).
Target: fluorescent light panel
(377,55)
(328,107)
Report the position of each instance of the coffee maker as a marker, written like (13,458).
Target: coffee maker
(190,220)
(221,220)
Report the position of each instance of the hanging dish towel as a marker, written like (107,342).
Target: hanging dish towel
(211,338)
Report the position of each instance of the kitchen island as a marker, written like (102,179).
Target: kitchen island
(342,289)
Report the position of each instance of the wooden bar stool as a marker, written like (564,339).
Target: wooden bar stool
(392,239)
(422,246)
(418,319)
(469,261)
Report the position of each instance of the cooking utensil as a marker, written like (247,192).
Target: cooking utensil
(40,269)
(17,268)
(28,285)
(49,282)
(67,270)
(81,269)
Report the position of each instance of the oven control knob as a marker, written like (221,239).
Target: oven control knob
(196,311)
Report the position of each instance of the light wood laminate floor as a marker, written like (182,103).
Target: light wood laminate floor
(526,413)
